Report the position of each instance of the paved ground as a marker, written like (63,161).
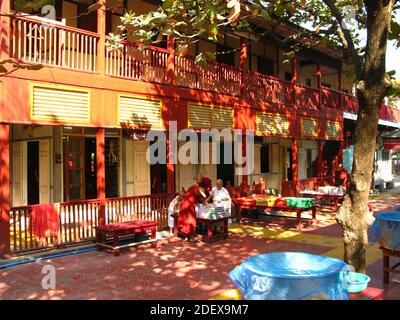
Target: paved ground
(180,270)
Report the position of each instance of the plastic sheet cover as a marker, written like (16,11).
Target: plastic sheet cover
(386,230)
(290,276)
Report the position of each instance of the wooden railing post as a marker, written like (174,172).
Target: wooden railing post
(242,63)
(4,190)
(101,44)
(5,30)
(171,60)
(319,84)
(101,174)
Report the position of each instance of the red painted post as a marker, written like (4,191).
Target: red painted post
(320,163)
(318,75)
(295,160)
(245,178)
(171,60)
(242,62)
(5,27)
(101,44)
(294,78)
(4,190)
(101,174)
(170,169)
(340,88)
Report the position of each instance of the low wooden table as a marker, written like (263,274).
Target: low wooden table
(387,269)
(210,223)
(240,206)
(116,230)
(335,198)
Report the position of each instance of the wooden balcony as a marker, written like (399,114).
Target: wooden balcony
(52,44)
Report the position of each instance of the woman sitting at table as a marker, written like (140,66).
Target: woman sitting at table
(187,211)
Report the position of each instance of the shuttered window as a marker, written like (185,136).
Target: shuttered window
(223,118)
(60,104)
(272,123)
(200,116)
(332,129)
(140,112)
(309,127)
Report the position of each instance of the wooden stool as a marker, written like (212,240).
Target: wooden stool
(387,269)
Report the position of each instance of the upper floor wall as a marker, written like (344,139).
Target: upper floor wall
(260,79)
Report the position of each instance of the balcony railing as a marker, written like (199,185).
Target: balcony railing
(77,219)
(51,43)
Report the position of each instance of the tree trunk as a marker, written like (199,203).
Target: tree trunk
(354,216)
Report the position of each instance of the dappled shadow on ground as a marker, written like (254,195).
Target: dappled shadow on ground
(177,269)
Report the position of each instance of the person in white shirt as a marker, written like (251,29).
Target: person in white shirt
(220,195)
(173,208)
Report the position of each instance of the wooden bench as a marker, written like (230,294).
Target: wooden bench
(387,269)
(125,229)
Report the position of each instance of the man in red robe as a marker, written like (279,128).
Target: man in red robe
(187,211)
(204,182)
(342,177)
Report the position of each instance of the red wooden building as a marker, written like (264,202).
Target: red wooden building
(69,130)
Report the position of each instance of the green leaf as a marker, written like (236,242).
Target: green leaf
(3,69)
(167,4)
(201,60)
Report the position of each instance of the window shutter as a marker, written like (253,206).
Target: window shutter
(332,129)
(60,104)
(272,123)
(223,118)
(309,127)
(140,112)
(200,116)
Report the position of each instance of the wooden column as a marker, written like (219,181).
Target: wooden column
(340,155)
(5,29)
(101,30)
(242,63)
(295,161)
(318,75)
(293,62)
(245,178)
(294,77)
(171,60)
(101,174)
(170,169)
(320,162)
(4,190)
(340,87)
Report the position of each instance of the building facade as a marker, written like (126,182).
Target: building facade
(72,131)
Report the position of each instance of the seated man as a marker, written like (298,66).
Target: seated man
(342,177)
(261,187)
(220,195)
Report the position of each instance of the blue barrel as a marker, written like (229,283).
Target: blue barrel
(386,230)
(290,276)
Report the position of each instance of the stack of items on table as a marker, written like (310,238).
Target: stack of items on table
(271,201)
(327,190)
(211,211)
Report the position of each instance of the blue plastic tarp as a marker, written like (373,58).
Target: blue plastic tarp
(386,230)
(290,276)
